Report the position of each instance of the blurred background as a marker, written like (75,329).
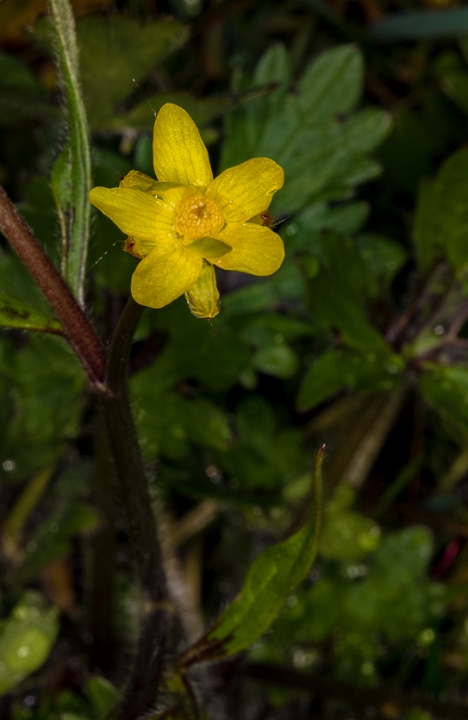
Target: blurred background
(360,340)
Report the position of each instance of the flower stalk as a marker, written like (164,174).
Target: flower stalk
(143,686)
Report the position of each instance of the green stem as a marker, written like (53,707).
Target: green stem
(80,334)
(142,688)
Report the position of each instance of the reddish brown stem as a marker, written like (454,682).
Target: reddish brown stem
(78,329)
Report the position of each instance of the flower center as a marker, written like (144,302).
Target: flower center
(198,216)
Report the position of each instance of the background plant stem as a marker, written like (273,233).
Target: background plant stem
(103,545)
(143,685)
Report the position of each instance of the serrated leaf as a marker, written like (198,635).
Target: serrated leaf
(322,153)
(329,158)
(269,582)
(332,84)
(18,314)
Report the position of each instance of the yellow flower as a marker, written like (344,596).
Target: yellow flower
(187,222)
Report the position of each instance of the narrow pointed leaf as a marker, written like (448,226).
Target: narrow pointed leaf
(75,207)
(18,314)
(269,582)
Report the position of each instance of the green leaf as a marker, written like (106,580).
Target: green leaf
(216,356)
(442,215)
(322,153)
(26,639)
(141,117)
(123,50)
(274,67)
(337,293)
(447,389)
(16,73)
(332,84)
(45,390)
(286,284)
(18,314)
(384,256)
(278,360)
(339,369)
(455,85)
(303,233)
(26,503)
(76,236)
(102,695)
(327,159)
(270,580)
(347,535)
(168,423)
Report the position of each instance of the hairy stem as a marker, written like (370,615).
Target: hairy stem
(79,331)
(143,685)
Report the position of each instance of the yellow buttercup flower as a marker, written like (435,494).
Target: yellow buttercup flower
(185,223)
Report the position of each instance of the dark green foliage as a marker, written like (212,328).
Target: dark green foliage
(358,341)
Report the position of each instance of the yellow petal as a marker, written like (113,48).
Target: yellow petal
(179,154)
(164,275)
(137,214)
(246,189)
(255,249)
